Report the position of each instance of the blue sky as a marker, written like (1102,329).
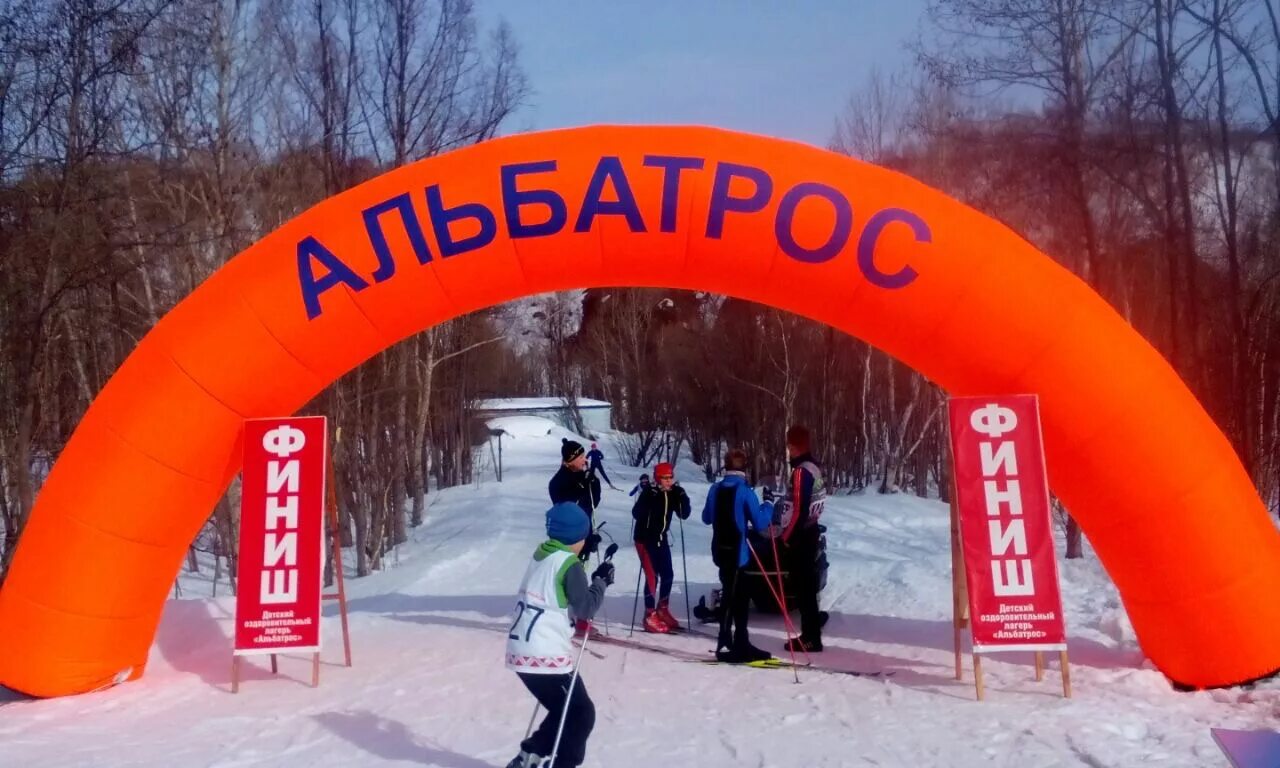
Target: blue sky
(782,69)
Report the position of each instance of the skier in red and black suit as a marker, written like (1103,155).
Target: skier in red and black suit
(801,507)
(652,513)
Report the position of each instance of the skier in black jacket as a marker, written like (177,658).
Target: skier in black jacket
(652,513)
(573,483)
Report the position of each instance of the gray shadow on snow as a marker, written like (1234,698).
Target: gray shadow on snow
(938,634)
(435,610)
(10,696)
(933,634)
(617,603)
(391,740)
(193,638)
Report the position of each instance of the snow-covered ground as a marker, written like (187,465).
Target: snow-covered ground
(428,686)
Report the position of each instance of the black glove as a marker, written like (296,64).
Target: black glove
(767,493)
(777,514)
(604,572)
(589,546)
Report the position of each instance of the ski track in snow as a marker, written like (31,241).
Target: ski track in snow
(428,685)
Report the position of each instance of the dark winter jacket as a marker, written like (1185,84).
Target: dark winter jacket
(806,478)
(747,510)
(653,510)
(582,488)
(595,457)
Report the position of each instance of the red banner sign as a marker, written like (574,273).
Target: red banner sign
(1002,493)
(281,536)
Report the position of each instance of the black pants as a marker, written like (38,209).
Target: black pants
(735,601)
(550,691)
(600,468)
(655,559)
(802,561)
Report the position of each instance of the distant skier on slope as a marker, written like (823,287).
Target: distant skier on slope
(553,594)
(596,459)
(653,512)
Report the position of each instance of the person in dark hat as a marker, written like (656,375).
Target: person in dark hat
(572,482)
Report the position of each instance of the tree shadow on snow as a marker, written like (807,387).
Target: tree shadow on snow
(194,637)
(935,634)
(939,635)
(617,606)
(391,740)
(436,610)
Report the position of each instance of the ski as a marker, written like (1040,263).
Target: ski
(685,631)
(757,664)
(674,653)
(698,658)
(776,663)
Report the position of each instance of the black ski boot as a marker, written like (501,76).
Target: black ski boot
(733,655)
(804,644)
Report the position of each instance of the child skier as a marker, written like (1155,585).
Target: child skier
(652,513)
(553,593)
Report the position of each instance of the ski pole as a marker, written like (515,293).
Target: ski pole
(782,597)
(532,719)
(604,608)
(684,566)
(786,620)
(635,604)
(564,714)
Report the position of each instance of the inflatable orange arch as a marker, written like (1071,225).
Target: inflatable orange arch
(961,298)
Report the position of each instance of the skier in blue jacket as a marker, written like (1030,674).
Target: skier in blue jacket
(640,486)
(731,509)
(596,458)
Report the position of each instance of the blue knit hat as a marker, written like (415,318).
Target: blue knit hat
(567,523)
